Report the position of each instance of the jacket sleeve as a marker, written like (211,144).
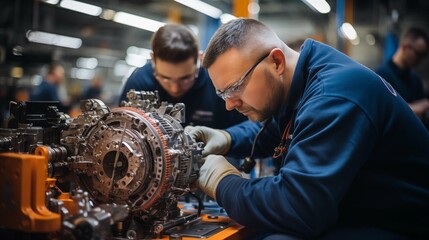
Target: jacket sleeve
(387,75)
(243,135)
(332,139)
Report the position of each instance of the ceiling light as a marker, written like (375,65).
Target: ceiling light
(16,72)
(370,39)
(54,39)
(135,60)
(253,8)
(137,57)
(226,17)
(319,5)
(202,7)
(137,21)
(36,80)
(121,68)
(81,73)
(143,52)
(108,14)
(355,41)
(348,31)
(88,63)
(81,7)
(53,2)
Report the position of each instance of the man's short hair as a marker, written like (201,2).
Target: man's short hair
(174,43)
(50,68)
(414,33)
(232,34)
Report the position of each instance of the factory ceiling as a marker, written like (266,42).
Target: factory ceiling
(106,39)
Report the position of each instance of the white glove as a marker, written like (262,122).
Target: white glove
(216,141)
(214,169)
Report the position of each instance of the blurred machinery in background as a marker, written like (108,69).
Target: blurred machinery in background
(108,173)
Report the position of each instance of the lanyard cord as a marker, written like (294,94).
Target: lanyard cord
(249,162)
(266,122)
(285,141)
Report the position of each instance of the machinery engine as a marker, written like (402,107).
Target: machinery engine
(136,155)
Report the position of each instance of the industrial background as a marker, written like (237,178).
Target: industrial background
(109,38)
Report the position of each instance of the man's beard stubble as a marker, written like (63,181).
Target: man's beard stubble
(274,98)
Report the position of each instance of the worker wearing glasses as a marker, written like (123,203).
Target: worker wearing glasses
(398,71)
(176,73)
(354,158)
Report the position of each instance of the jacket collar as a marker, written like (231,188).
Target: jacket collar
(296,91)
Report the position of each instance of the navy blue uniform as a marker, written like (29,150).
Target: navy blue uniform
(358,158)
(202,105)
(45,92)
(92,92)
(406,82)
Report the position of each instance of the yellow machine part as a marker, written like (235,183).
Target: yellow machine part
(69,204)
(22,194)
(64,196)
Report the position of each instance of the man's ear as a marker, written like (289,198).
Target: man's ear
(152,57)
(279,59)
(200,55)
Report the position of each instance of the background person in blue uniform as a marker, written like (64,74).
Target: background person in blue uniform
(176,74)
(413,47)
(94,89)
(49,87)
(354,156)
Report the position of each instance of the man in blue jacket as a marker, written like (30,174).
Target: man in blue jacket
(176,73)
(355,158)
(48,90)
(398,70)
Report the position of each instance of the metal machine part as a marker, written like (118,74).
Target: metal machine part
(91,223)
(130,156)
(136,156)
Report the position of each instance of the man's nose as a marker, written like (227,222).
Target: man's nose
(175,86)
(231,103)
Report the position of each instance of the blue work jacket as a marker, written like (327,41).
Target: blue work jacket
(359,157)
(202,105)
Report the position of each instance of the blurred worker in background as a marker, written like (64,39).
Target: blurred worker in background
(94,88)
(354,156)
(48,90)
(413,47)
(176,73)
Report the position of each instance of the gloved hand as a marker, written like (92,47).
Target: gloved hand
(214,169)
(215,141)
